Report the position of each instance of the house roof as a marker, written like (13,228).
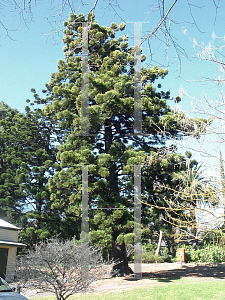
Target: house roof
(4,224)
(16,244)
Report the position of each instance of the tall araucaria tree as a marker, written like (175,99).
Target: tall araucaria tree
(9,189)
(111,146)
(26,162)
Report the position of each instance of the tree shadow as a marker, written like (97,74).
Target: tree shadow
(133,277)
(198,271)
(147,275)
(165,279)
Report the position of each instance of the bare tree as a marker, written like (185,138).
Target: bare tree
(211,105)
(211,108)
(61,267)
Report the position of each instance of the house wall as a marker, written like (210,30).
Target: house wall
(8,235)
(11,262)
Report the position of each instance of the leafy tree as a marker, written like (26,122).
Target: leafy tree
(112,148)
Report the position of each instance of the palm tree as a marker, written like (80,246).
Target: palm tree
(195,189)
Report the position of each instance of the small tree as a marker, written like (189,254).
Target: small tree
(61,267)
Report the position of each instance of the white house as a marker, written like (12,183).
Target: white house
(8,248)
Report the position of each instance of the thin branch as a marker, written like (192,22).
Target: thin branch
(160,22)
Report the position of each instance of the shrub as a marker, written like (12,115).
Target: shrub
(206,254)
(212,254)
(149,247)
(61,267)
(215,237)
(149,257)
(167,257)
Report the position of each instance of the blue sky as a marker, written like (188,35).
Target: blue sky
(30,54)
(28,60)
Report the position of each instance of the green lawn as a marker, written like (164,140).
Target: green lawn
(181,289)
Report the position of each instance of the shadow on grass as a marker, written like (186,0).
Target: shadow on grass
(199,271)
(147,275)
(165,279)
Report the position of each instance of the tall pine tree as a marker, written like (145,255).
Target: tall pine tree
(9,189)
(27,161)
(112,148)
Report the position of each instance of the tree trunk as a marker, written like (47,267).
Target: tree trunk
(159,243)
(113,178)
(37,221)
(119,255)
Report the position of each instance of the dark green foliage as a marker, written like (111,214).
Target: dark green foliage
(6,112)
(149,257)
(10,190)
(166,256)
(27,161)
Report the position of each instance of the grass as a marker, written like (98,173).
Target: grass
(181,289)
